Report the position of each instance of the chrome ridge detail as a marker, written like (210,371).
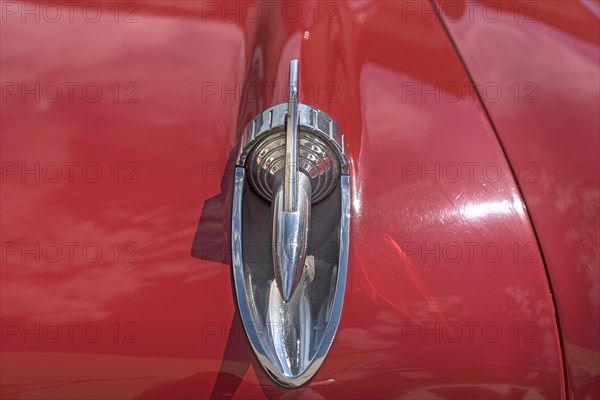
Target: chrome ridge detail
(290,235)
(291,205)
(290,183)
(291,189)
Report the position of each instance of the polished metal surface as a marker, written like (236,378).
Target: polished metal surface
(290,183)
(291,189)
(319,160)
(311,121)
(290,339)
(290,236)
(291,205)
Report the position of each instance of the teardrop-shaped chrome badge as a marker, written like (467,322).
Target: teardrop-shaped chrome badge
(290,233)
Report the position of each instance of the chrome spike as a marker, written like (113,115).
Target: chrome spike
(290,237)
(293,159)
(291,204)
(290,184)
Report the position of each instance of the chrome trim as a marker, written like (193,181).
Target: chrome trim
(290,236)
(290,183)
(268,337)
(318,159)
(291,167)
(316,122)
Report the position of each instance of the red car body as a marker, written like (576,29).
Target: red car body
(472,133)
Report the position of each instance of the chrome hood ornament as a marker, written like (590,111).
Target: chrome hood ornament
(290,233)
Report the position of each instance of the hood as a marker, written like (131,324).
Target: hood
(446,292)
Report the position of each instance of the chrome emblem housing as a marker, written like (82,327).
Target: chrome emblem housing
(291,192)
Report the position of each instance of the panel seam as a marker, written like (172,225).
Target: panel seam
(439,15)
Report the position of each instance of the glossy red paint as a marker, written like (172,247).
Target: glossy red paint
(546,56)
(447,295)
